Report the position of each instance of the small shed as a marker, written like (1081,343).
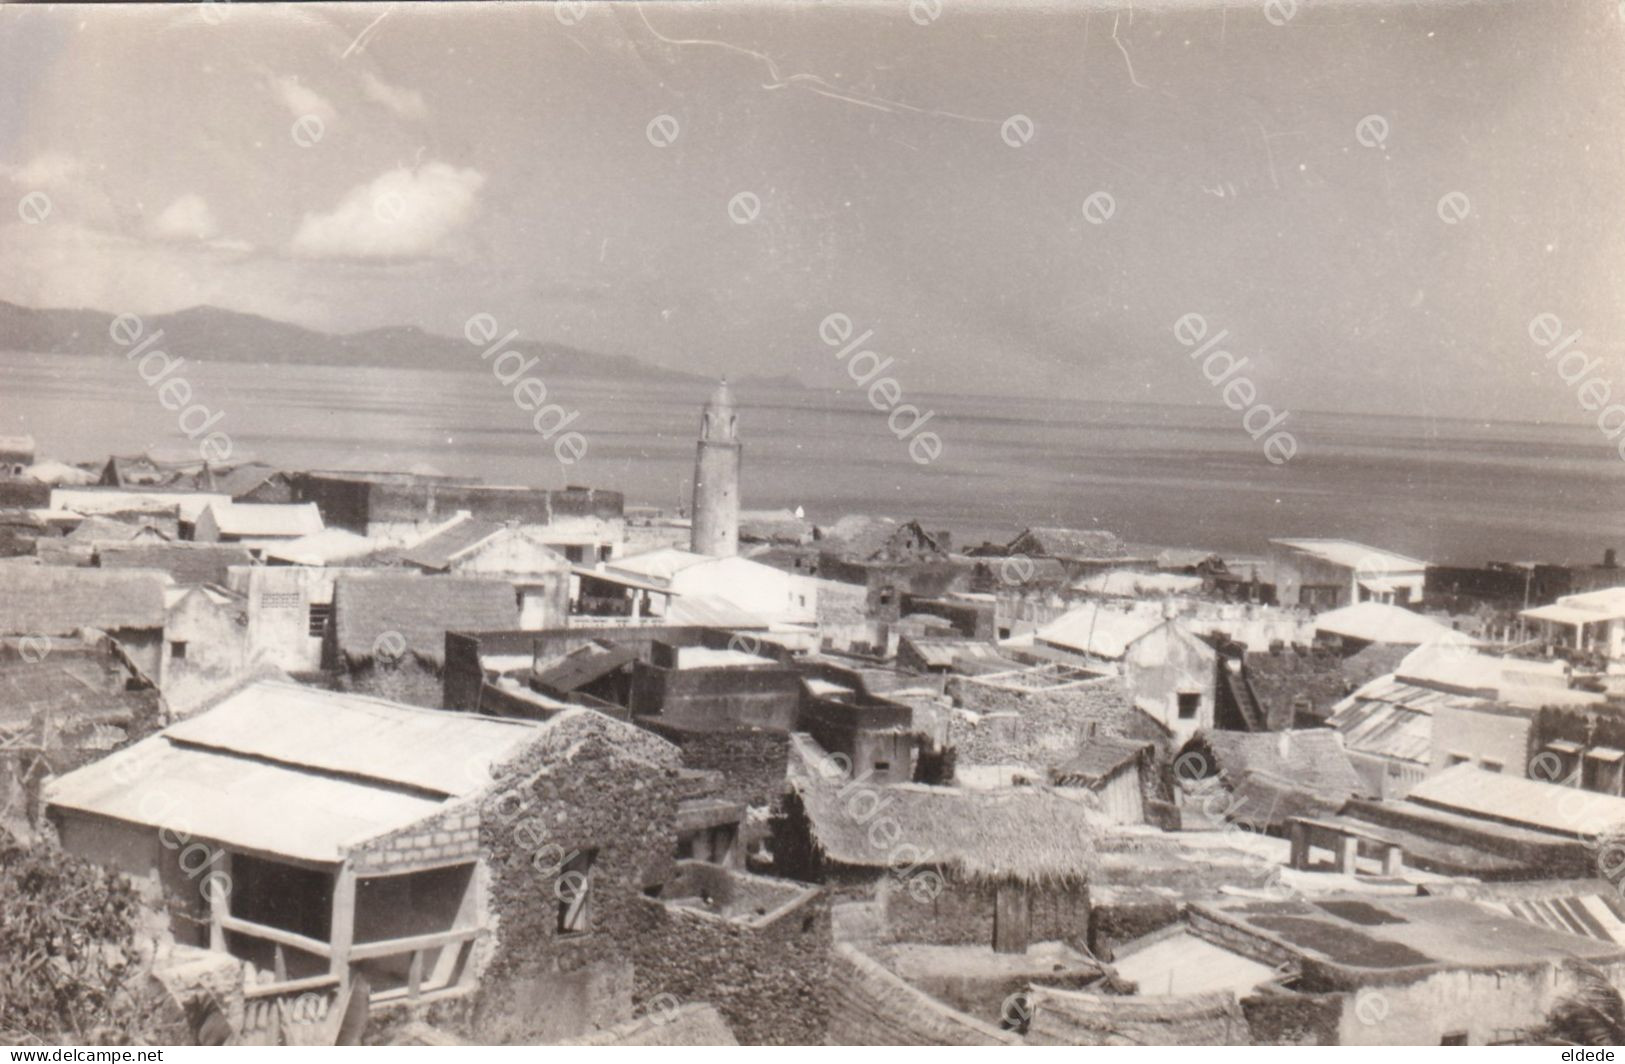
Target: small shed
(1115,769)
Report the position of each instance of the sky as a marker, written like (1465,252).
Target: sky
(1016,198)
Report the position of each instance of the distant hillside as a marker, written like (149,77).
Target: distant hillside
(209,334)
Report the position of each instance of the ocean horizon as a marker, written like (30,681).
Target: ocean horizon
(1446,489)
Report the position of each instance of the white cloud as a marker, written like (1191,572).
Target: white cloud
(302,100)
(188,218)
(69,265)
(407,103)
(46,170)
(402,212)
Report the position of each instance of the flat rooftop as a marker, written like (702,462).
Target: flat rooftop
(1353,938)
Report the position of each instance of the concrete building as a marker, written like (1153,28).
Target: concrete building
(716,477)
(1325,574)
(1448,971)
(1169,671)
(257,525)
(16,455)
(540,575)
(671,579)
(1592,624)
(398,509)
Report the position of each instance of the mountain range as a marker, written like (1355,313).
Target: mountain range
(206,334)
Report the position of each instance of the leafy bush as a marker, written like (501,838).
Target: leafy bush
(68,968)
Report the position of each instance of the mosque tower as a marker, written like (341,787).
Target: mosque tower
(716,477)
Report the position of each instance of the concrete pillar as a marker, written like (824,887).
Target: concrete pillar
(1348,853)
(1300,845)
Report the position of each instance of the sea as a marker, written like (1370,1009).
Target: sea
(1448,490)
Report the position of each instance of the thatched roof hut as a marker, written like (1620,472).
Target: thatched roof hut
(1098,760)
(412,614)
(60,600)
(1079,1018)
(1025,834)
(186,563)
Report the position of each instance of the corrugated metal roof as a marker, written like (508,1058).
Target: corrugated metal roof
(243,803)
(1547,806)
(1592,915)
(438,551)
(448,753)
(1387,729)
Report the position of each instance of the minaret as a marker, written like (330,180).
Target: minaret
(716,477)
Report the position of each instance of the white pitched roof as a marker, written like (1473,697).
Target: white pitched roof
(1378,622)
(1356,556)
(660,564)
(1098,630)
(326,547)
(267,519)
(1514,800)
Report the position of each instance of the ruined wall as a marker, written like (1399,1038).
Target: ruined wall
(752,761)
(1047,727)
(961,913)
(1284,1018)
(1115,922)
(767,974)
(1293,680)
(540,985)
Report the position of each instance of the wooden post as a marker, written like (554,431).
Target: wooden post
(219,897)
(1393,860)
(414,976)
(341,929)
(1300,845)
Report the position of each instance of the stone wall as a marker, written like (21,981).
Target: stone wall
(540,985)
(766,969)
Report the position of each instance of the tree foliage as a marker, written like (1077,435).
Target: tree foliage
(69,971)
(1593,1015)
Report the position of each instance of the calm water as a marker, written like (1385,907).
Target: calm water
(1445,490)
